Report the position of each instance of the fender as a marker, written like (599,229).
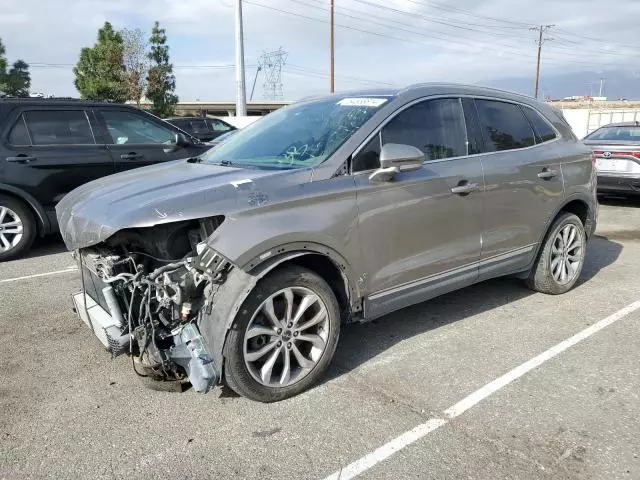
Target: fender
(267,258)
(44,226)
(215,323)
(228,299)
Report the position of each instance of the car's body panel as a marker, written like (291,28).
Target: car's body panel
(415,227)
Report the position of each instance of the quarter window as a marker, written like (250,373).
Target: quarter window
(19,134)
(369,157)
(126,128)
(505,126)
(543,130)
(53,127)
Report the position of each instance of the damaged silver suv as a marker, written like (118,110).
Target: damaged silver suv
(240,265)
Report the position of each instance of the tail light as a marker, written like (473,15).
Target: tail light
(593,157)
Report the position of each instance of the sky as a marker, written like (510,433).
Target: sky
(378,42)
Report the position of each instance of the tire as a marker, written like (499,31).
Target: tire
(14,211)
(245,375)
(545,274)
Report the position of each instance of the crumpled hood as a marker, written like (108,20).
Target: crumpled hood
(157,194)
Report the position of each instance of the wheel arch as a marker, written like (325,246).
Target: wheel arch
(577,204)
(42,221)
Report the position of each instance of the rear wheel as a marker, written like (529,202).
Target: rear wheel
(562,257)
(17,228)
(284,336)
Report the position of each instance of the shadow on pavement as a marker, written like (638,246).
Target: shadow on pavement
(49,245)
(362,342)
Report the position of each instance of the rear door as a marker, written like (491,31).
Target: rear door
(51,151)
(136,139)
(523,185)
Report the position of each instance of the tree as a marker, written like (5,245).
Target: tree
(100,73)
(3,68)
(136,62)
(18,80)
(161,82)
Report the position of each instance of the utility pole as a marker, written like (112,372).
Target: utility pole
(541,29)
(331,68)
(241,93)
(601,87)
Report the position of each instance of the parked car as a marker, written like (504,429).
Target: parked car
(203,128)
(242,265)
(48,147)
(617,150)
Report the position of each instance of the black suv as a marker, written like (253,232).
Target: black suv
(48,147)
(203,128)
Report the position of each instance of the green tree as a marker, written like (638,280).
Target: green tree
(161,82)
(3,68)
(100,73)
(18,80)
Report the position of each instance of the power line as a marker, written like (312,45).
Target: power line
(519,54)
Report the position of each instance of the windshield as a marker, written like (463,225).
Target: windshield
(297,136)
(628,133)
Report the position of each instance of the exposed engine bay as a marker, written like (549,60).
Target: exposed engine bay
(144,292)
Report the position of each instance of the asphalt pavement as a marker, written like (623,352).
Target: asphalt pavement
(68,411)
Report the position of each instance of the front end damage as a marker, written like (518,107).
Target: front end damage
(147,292)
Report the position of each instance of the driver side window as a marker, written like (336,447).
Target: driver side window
(436,127)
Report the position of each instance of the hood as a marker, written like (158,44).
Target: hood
(163,193)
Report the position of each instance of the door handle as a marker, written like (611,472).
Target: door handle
(131,156)
(22,159)
(465,188)
(547,174)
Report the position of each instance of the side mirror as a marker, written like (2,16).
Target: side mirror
(396,158)
(182,140)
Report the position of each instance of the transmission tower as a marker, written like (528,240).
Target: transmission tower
(271,64)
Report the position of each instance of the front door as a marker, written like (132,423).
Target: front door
(523,185)
(421,232)
(135,139)
(51,152)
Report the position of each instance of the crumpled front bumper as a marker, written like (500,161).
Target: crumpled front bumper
(190,350)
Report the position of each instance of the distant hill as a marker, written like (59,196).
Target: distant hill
(618,84)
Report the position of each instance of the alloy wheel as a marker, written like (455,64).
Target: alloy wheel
(286,337)
(567,252)
(11,229)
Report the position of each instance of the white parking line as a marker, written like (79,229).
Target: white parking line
(27,277)
(385,451)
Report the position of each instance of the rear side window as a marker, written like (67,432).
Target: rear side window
(199,126)
(505,126)
(219,126)
(19,134)
(56,127)
(543,130)
(434,126)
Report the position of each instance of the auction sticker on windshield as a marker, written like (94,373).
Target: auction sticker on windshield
(362,102)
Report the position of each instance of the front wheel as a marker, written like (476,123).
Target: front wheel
(284,336)
(562,257)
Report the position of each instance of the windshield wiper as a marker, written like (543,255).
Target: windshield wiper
(224,163)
